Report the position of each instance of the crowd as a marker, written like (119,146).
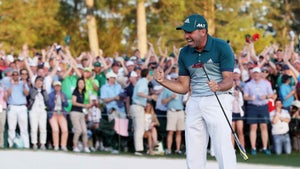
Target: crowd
(54,100)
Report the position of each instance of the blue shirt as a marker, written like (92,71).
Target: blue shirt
(217,56)
(176,103)
(140,87)
(110,91)
(17,96)
(284,90)
(257,89)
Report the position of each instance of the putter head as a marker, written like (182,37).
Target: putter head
(198,65)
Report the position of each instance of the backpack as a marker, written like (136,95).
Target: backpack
(294,126)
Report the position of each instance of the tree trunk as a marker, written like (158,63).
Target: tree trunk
(141,27)
(92,28)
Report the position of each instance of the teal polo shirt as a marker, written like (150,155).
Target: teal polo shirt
(217,57)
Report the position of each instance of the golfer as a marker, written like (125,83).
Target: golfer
(204,117)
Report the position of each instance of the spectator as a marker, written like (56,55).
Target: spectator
(91,84)
(151,122)
(175,117)
(137,109)
(94,116)
(237,109)
(78,112)
(112,96)
(280,119)
(3,107)
(257,92)
(286,92)
(99,75)
(57,102)
(294,125)
(17,113)
(37,113)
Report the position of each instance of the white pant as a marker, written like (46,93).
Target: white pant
(38,120)
(17,114)
(138,120)
(2,127)
(205,118)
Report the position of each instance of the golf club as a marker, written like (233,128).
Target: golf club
(241,148)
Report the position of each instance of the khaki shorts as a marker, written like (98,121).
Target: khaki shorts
(175,120)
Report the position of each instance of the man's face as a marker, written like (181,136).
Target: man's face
(15,76)
(97,69)
(195,38)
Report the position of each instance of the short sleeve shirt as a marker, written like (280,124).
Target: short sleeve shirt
(217,56)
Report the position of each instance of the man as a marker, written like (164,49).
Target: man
(280,119)
(111,94)
(17,92)
(137,109)
(257,92)
(175,116)
(99,74)
(204,116)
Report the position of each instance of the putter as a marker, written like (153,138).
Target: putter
(237,141)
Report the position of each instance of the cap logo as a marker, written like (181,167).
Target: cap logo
(187,20)
(200,25)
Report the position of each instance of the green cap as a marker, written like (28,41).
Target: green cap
(97,64)
(193,22)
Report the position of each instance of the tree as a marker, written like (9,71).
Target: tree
(31,22)
(92,27)
(141,27)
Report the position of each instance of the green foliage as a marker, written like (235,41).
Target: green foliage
(30,22)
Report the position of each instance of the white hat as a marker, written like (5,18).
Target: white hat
(256,69)
(110,74)
(296,103)
(129,63)
(174,75)
(93,97)
(133,74)
(237,70)
(133,58)
(46,64)
(57,83)
(32,63)
(10,58)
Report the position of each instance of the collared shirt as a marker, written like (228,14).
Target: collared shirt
(17,96)
(280,127)
(89,88)
(217,57)
(174,104)
(257,89)
(140,87)
(110,91)
(284,90)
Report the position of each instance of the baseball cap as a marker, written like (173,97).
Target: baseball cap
(237,70)
(193,22)
(87,69)
(93,97)
(133,74)
(256,70)
(285,67)
(174,76)
(129,63)
(285,77)
(110,74)
(97,64)
(296,103)
(57,83)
